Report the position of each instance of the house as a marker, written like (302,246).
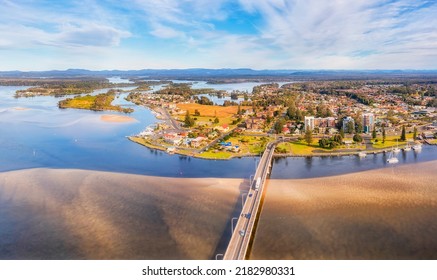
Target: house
(197,142)
(213,134)
(173,139)
(255,123)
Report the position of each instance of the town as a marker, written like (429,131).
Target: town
(310,118)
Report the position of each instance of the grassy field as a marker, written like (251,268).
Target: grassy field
(285,147)
(216,155)
(391,141)
(210,110)
(302,148)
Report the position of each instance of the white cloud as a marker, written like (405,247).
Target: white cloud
(339,34)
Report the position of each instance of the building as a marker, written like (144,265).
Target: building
(324,122)
(309,123)
(347,126)
(368,122)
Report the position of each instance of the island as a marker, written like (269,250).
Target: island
(100,102)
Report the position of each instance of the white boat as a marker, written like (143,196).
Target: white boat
(362,154)
(171,150)
(392,158)
(417,147)
(407,148)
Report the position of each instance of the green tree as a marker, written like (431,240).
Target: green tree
(189,122)
(341,132)
(358,138)
(309,136)
(350,127)
(414,133)
(216,120)
(383,134)
(403,136)
(337,138)
(279,125)
(374,133)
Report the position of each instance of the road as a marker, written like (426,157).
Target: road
(244,229)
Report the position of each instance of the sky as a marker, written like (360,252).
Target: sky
(178,34)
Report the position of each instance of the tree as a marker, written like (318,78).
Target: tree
(279,125)
(350,127)
(189,122)
(324,143)
(341,132)
(196,112)
(337,138)
(309,136)
(358,138)
(374,133)
(403,136)
(216,120)
(383,134)
(414,133)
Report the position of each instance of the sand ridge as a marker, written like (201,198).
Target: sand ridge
(117,119)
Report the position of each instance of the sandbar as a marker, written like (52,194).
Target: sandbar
(76,214)
(117,118)
(389,213)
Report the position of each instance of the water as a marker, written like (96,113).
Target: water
(45,218)
(229,87)
(119,80)
(308,167)
(45,136)
(220,100)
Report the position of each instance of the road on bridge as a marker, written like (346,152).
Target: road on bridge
(244,229)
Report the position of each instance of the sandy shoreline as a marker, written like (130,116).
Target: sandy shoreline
(74,214)
(117,118)
(388,213)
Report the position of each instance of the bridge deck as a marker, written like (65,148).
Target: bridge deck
(244,229)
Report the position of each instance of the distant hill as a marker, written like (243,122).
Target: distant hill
(241,73)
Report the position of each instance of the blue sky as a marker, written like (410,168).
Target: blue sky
(258,34)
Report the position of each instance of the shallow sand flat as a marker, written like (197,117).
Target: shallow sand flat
(20,109)
(74,214)
(117,118)
(389,213)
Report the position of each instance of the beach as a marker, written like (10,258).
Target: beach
(388,213)
(76,214)
(117,118)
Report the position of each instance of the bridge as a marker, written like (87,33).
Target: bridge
(245,227)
